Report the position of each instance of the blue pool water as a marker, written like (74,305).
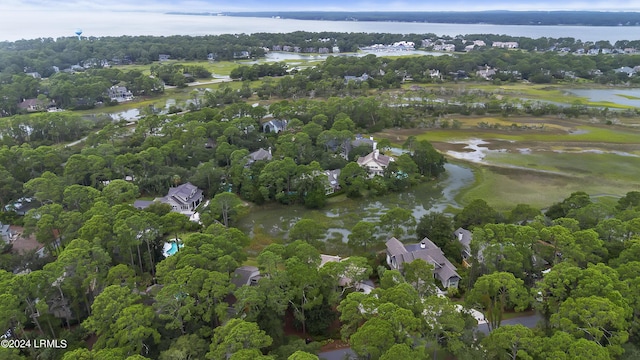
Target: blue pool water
(173,249)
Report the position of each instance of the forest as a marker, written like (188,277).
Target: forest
(86,87)
(105,285)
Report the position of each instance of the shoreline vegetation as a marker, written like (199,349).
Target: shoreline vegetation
(502,17)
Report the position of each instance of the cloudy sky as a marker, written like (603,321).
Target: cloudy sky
(326,5)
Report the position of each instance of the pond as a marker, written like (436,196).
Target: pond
(134,114)
(276,220)
(630,97)
(128,115)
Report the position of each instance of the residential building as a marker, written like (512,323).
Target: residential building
(6,234)
(274,126)
(625,69)
(435,73)
(30,105)
(374,162)
(259,155)
(464,237)
(163,57)
(363,77)
(241,55)
(35,75)
(444,47)
(184,199)
(332,177)
(399,254)
(487,73)
(119,94)
(506,45)
(344,281)
(360,140)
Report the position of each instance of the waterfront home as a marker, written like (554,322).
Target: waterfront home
(184,199)
(374,162)
(399,254)
(119,94)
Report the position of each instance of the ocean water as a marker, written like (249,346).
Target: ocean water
(17,24)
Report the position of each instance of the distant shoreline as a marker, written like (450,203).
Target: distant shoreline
(529,18)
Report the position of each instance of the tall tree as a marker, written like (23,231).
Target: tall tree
(397,222)
(497,292)
(362,235)
(235,336)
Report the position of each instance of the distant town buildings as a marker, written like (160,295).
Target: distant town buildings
(505,45)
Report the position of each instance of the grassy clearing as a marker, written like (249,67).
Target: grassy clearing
(503,187)
(564,157)
(587,166)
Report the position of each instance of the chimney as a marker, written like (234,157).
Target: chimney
(269,150)
(460,236)
(423,245)
(376,153)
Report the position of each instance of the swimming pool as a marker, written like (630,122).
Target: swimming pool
(171,248)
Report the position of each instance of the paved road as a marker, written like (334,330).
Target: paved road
(528,321)
(339,354)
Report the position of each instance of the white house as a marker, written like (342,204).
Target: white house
(374,162)
(119,94)
(505,44)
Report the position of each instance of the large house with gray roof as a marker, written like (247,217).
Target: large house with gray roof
(443,270)
(464,237)
(259,155)
(184,199)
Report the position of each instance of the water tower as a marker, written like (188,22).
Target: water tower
(78,32)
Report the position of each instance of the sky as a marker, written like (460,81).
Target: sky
(324,5)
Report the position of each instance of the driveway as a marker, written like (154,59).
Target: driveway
(340,354)
(529,321)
